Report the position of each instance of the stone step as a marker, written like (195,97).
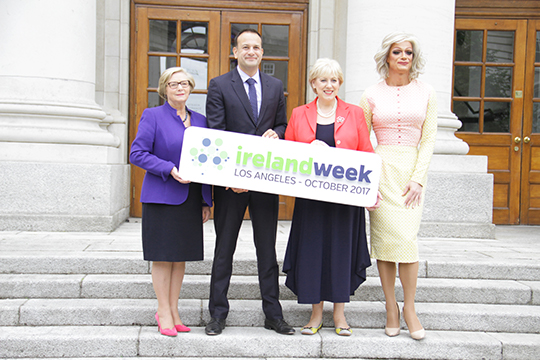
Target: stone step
(39,262)
(246,313)
(256,342)
(246,287)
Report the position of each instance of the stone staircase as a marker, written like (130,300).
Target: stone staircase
(76,304)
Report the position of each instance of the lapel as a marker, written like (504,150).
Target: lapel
(311,115)
(265,89)
(342,112)
(240,91)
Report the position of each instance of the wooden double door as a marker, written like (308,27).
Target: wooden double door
(497,97)
(201,42)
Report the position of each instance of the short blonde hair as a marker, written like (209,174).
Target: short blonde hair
(381,56)
(166,76)
(325,68)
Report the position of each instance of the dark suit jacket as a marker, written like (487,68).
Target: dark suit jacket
(157,148)
(228,107)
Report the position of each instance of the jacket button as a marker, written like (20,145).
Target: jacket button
(338,142)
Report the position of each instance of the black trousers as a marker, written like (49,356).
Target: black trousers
(228,215)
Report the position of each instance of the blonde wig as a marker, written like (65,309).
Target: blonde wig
(380,57)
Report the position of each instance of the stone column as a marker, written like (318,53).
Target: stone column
(56,171)
(327,36)
(460,191)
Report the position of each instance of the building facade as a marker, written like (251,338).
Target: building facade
(74,83)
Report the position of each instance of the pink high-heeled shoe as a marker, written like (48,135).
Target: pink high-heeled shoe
(182,328)
(166,332)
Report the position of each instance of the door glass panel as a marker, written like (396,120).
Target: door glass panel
(233,65)
(275,40)
(537,46)
(500,46)
(156,65)
(497,117)
(154,99)
(194,37)
(467,81)
(277,69)
(498,82)
(198,68)
(536,93)
(469,45)
(536,118)
(237,28)
(162,36)
(467,112)
(197,102)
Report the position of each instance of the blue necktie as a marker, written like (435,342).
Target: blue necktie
(253,98)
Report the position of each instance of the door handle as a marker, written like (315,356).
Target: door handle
(517,139)
(526,139)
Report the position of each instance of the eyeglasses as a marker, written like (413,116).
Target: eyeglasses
(174,84)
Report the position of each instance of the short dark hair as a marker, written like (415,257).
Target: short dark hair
(235,44)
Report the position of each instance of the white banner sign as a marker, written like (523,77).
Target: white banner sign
(280,167)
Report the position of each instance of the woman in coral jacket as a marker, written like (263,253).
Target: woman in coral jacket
(327,252)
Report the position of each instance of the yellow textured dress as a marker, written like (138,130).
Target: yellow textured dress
(404,119)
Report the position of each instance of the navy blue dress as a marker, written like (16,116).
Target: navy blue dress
(327,253)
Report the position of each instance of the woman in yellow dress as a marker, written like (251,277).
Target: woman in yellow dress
(402,111)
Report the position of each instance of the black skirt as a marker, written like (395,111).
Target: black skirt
(174,233)
(327,253)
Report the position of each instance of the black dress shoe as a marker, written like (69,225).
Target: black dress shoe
(279,325)
(215,326)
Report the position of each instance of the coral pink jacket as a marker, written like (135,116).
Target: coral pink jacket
(350,129)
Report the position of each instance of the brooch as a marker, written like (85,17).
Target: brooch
(340,119)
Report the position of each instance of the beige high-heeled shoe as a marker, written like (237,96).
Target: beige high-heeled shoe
(418,334)
(393,331)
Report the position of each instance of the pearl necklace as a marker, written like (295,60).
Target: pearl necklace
(331,113)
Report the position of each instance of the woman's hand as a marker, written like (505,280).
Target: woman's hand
(205,213)
(377,203)
(176,176)
(413,190)
(319,143)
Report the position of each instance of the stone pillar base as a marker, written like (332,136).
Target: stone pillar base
(63,197)
(456,230)
(459,198)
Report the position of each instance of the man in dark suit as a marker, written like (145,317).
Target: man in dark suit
(246,101)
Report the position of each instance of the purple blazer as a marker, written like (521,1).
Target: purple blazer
(157,148)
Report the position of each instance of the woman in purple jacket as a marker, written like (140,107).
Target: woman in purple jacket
(172,225)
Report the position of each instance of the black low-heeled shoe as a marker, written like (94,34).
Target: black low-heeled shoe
(215,326)
(279,325)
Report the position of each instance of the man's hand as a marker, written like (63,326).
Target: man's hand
(205,213)
(271,134)
(413,190)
